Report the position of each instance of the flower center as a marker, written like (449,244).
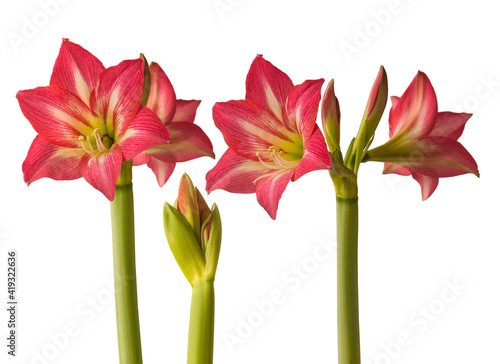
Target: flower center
(280,158)
(95,142)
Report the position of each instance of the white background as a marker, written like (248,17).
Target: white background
(408,249)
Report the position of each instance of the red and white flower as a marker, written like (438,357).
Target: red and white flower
(423,142)
(89,120)
(187,140)
(272,136)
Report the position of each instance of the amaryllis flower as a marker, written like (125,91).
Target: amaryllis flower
(89,120)
(423,142)
(187,140)
(272,136)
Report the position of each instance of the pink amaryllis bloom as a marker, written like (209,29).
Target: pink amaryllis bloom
(89,120)
(187,140)
(423,142)
(272,136)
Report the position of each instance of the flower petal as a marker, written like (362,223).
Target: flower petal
(56,114)
(236,174)
(394,102)
(102,170)
(118,95)
(315,156)
(450,124)
(248,128)
(394,168)
(48,160)
(162,95)
(427,184)
(414,115)
(438,157)
(140,159)
(302,107)
(162,170)
(144,132)
(187,141)
(267,86)
(185,111)
(269,190)
(76,70)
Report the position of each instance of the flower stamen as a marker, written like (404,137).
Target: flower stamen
(264,163)
(98,141)
(95,137)
(81,138)
(90,143)
(280,163)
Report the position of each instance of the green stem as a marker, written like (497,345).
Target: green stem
(347,280)
(201,324)
(127,314)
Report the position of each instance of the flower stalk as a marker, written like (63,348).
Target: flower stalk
(127,314)
(346,190)
(201,324)
(347,281)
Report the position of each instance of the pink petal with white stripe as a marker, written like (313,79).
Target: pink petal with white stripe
(248,128)
(144,132)
(162,95)
(162,170)
(394,102)
(236,174)
(268,87)
(394,168)
(48,160)
(302,107)
(415,113)
(56,114)
(186,111)
(450,124)
(427,184)
(76,70)
(315,156)
(102,170)
(118,95)
(269,190)
(141,158)
(187,142)
(439,157)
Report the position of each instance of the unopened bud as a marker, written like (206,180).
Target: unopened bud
(193,232)
(330,116)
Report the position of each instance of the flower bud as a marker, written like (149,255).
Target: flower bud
(373,113)
(193,232)
(330,116)
(375,106)
(146,87)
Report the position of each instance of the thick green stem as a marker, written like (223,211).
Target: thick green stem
(347,280)
(127,314)
(201,324)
